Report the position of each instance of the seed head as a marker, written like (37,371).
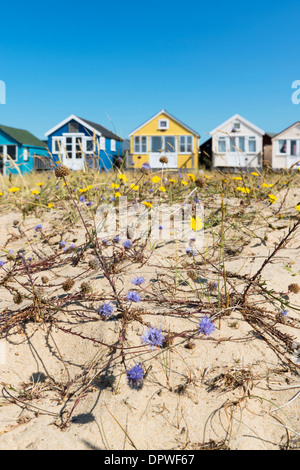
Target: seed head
(68,284)
(85,288)
(164,160)
(61,171)
(294,288)
(45,279)
(18,298)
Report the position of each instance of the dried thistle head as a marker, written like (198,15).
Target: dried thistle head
(192,275)
(16,222)
(45,279)
(85,288)
(18,298)
(294,288)
(94,263)
(200,182)
(61,171)
(164,160)
(68,284)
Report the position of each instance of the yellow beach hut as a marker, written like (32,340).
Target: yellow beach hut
(164,135)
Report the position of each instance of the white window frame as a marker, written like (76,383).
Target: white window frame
(62,144)
(140,144)
(252,138)
(113,145)
(287,147)
(186,151)
(6,152)
(239,126)
(223,139)
(297,148)
(163,128)
(26,154)
(102,143)
(89,139)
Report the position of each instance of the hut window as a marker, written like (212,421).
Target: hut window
(113,145)
(252,144)
(12,152)
(282,146)
(25,155)
(222,144)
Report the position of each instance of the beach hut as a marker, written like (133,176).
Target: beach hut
(21,151)
(79,143)
(164,135)
(236,144)
(286,148)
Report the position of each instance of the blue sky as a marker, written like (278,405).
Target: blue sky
(119,63)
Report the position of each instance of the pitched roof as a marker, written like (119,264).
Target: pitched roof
(92,126)
(22,137)
(284,130)
(105,132)
(240,118)
(163,111)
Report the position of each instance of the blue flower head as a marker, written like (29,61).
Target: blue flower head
(82,199)
(284,312)
(127,244)
(133,296)
(38,228)
(153,336)
(135,376)
(137,281)
(106,309)
(2,263)
(206,326)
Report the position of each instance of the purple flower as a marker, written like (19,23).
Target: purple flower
(38,228)
(153,336)
(2,263)
(135,376)
(117,239)
(137,281)
(206,326)
(133,296)
(146,166)
(62,244)
(90,203)
(190,252)
(160,227)
(284,312)
(127,244)
(82,199)
(106,309)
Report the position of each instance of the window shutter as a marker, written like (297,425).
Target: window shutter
(102,143)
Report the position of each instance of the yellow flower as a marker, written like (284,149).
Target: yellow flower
(156,179)
(237,178)
(115,186)
(14,190)
(162,188)
(184,183)
(117,194)
(207,176)
(172,181)
(50,205)
(273,198)
(123,177)
(196,224)
(40,184)
(147,204)
(254,173)
(266,185)
(84,190)
(298,207)
(1,194)
(244,190)
(90,186)
(192,177)
(134,187)
(35,191)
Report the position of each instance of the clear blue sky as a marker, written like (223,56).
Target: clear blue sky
(124,61)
